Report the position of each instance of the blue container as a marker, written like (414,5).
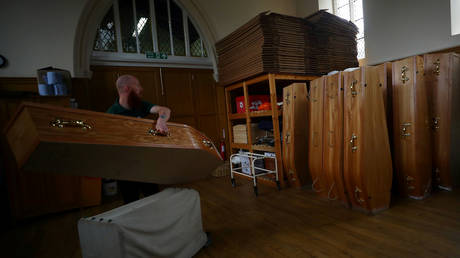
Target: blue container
(54,77)
(45,90)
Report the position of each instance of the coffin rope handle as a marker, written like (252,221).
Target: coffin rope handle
(313,186)
(404,71)
(60,123)
(329,193)
(155,132)
(357,191)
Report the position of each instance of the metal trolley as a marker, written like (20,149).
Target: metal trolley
(254,171)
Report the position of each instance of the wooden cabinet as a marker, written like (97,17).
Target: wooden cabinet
(411,128)
(267,84)
(33,194)
(367,158)
(442,72)
(295,125)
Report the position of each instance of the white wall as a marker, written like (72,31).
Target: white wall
(400,28)
(36,34)
(226,16)
(325,4)
(306,7)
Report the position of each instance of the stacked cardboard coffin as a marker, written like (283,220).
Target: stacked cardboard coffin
(269,43)
(334,41)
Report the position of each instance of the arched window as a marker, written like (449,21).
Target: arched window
(149,31)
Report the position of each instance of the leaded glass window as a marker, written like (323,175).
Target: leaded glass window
(144,26)
(128,40)
(105,35)
(161,14)
(149,27)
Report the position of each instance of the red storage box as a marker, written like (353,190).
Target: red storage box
(254,102)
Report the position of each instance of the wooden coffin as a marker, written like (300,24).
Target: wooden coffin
(315,137)
(367,157)
(333,138)
(442,76)
(411,128)
(46,138)
(295,134)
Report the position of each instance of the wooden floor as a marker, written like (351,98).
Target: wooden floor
(289,223)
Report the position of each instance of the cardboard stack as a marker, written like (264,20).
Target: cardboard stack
(275,43)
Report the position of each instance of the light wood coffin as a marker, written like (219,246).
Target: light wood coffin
(411,128)
(315,137)
(87,143)
(367,157)
(333,138)
(442,73)
(295,134)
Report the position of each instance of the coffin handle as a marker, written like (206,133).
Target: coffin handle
(61,123)
(329,193)
(357,191)
(155,132)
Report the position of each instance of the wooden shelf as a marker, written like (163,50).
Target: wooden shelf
(264,148)
(271,80)
(240,146)
(237,116)
(264,113)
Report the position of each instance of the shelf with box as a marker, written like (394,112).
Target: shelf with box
(263,95)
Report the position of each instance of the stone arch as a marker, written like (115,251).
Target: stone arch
(94,11)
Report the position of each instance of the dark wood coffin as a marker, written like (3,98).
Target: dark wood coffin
(367,157)
(46,138)
(411,128)
(442,74)
(295,125)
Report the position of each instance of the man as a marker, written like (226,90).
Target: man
(129,103)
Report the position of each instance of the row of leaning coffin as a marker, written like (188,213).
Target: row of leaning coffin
(370,123)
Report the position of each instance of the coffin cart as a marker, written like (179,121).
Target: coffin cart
(46,138)
(249,168)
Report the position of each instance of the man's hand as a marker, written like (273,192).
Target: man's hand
(161,126)
(163,115)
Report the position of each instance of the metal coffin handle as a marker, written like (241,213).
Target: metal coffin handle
(357,191)
(61,123)
(155,132)
(352,143)
(404,77)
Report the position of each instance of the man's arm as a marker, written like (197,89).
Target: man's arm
(164,114)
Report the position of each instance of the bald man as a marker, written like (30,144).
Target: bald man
(129,103)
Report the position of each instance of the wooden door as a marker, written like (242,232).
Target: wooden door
(315,137)
(179,96)
(333,138)
(206,105)
(149,78)
(102,89)
(411,128)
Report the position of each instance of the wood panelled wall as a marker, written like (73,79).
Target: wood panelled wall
(191,94)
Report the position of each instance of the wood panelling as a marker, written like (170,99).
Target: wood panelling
(191,94)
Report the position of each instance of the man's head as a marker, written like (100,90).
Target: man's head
(129,87)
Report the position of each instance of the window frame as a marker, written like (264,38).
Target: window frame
(351,7)
(139,59)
